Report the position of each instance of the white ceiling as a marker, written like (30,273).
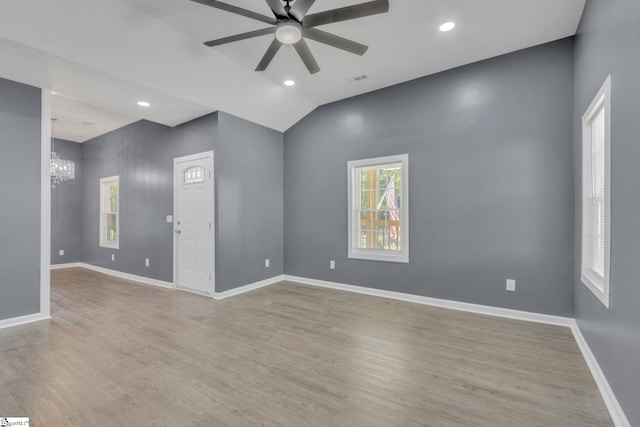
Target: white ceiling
(79,122)
(113,53)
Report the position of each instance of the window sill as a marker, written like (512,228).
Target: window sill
(109,245)
(373,255)
(597,287)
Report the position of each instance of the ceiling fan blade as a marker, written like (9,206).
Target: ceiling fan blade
(242,36)
(345,13)
(269,54)
(335,41)
(307,57)
(277,8)
(300,8)
(237,10)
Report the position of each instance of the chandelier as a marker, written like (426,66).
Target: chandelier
(61,170)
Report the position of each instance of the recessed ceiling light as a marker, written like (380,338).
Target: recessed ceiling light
(289,82)
(447,26)
(55,92)
(144,104)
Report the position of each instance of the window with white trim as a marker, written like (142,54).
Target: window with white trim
(378,208)
(596,191)
(109,212)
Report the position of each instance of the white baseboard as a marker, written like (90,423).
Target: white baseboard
(610,400)
(248,288)
(21,320)
(115,273)
(67,265)
(436,302)
(609,397)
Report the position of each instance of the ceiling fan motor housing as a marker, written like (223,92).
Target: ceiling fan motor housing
(288,32)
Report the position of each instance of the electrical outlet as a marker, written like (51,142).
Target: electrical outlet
(266,263)
(61,252)
(511,285)
(169,218)
(332,264)
(146,262)
(113,257)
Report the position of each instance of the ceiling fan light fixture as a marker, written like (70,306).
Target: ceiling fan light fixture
(288,32)
(289,83)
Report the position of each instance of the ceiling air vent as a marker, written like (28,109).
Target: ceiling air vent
(357,79)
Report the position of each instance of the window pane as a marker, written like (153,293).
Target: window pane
(193,175)
(112,230)
(113,198)
(365,238)
(375,213)
(379,194)
(395,237)
(383,177)
(367,199)
(365,182)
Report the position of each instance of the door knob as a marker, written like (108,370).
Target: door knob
(177,231)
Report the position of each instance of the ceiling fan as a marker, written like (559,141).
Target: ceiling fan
(292,25)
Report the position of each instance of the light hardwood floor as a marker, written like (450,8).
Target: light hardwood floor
(119,353)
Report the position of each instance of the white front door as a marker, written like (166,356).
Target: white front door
(193,223)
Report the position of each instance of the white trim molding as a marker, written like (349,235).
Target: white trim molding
(21,320)
(45,203)
(615,410)
(355,250)
(596,279)
(609,397)
(436,302)
(105,206)
(249,287)
(67,265)
(114,273)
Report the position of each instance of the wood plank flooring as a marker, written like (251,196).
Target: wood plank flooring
(119,353)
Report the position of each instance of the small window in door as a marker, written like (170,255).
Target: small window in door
(194,175)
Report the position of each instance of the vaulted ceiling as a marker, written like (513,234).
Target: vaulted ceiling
(111,54)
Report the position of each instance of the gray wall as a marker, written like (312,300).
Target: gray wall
(142,155)
(608,42)
(20,116)
(490,182)
(249,163)
(248,172)
(67,209)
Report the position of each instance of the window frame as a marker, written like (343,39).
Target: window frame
(353,201)
(105,183)
(599,286)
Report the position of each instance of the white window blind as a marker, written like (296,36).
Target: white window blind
(598,193)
